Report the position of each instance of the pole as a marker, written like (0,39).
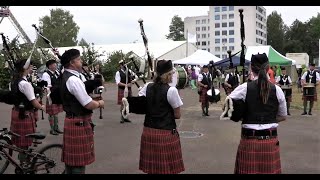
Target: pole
(242,58)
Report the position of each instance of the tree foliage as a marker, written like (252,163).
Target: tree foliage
(275,31)
(176,29)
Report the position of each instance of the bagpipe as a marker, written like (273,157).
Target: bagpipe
(213,93)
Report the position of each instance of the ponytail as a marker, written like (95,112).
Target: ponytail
(263,83)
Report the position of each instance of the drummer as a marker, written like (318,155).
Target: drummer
(310,76)
(284,81)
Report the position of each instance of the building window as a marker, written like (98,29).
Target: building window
(198,36)
(218,55)
(231,16)
(224,32)
(231,48)
(204,35)
(217,17)
(224,48)
(224,56)
(231,40)
(203,21)
(224,8)
(231,32)
(224,16)
(198,43)
(217,9)
(208,28)
(204,28)
(204,49)
(224,24)
(208,35)
(217,25)
(217,49)
(204,43)
(257,40)
(208,49)
(197,28)
(208,42)
(217,41)
(231,24)
(208,21)
(231,8)
(217,33)
(224,40)
(197,21)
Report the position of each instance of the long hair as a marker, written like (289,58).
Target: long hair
(263,81)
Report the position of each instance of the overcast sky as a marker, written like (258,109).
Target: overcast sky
(119,24)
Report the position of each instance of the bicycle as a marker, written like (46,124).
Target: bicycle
(46,160)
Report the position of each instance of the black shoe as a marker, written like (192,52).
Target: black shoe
(127,120)
(304,113)
(288,114)
(310,113)
(207,114)
(53,132)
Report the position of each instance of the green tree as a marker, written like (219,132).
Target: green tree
(176,29)
(276,31)
(83,42)
(60,28)
(314,30)
(90,55)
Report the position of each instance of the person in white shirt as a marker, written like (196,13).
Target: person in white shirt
(205,83)
(310,76)
(284,81)
(231,81)
(51,75)
(265,107)
(160,149)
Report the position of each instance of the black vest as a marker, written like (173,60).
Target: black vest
(314,77)
(206,81)
(284,77)
(20,97)
(257,112)
(123,78)
(233,80)
(70,104)
(53,77)
(160,114)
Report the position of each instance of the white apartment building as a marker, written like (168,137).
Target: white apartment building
(219,31)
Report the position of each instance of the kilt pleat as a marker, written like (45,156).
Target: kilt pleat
(203,98)
(121,95)
(160,152)
(22,127)
(258,157)
(311,98)
(78,143)
(53,109)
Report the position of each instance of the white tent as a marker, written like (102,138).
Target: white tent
(200,57)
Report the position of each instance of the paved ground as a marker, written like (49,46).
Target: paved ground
(117,145)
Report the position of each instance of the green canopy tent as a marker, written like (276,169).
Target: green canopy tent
(275,58)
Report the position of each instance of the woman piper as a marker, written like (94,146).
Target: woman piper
(160,149)
(22,116)
(265,106)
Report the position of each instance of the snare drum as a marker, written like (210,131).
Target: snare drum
(179,78)
(287,90)
(308,90)
(215,98)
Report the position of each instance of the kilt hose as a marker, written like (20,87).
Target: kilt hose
(121,94)
(22,127)
(203,98)
(160,152)
(53,109)
(258,157)
(78,144)
(311,98)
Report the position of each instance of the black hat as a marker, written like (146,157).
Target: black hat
(19,64)
(69,55)
(312,64)
(259,59)
(51,61)
(164,66)
(282,68)
(205,66)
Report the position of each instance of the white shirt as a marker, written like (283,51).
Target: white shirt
(197,70)
(46,77)
(26,88)
(227,77)
(303,77)
(200,77)
(82,77)
(278,79)
(77,88)
(240,93)
(118,78)
(172,96)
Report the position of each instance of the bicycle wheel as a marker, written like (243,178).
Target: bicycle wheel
(52,152)
(4,163)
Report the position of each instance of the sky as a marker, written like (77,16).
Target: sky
(119,24)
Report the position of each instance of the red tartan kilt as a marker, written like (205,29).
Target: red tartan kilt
(203,98)
(258,157)
(53,109)
(78,143)
(22,127)
(160,152)
(121,95)
(311,98)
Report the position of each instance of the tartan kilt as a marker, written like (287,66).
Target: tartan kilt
(53,109)
(78,143)
(121,94)
(203,98)
(160,152)
(311,98)
(258,157)
(22,127)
